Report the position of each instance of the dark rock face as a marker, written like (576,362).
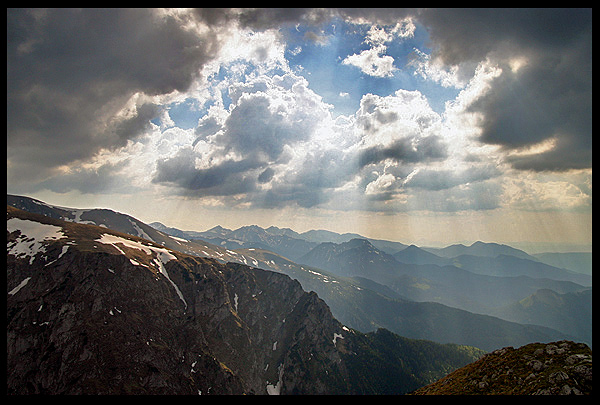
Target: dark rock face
(96,323)
(95,320)
(558,368)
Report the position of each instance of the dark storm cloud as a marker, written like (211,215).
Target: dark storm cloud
(91,181)
(70,71)
(266,175)
(263,18)
(407,150)
(460,34)
(225,178)
(274,17)
(550,97)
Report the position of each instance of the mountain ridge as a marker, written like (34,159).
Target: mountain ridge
(93,310)
(459,287)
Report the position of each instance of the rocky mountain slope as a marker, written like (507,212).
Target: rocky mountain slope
(562,367)
(95,311)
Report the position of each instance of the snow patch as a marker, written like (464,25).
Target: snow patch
(77,214)
(276,389)
(163,271)
(335,338)
(33,235)
(108,239)
(64,250)
(21,285)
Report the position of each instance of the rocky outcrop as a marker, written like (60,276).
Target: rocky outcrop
(558,368)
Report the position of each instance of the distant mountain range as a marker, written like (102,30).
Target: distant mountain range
(480,278)
(283,241)
(293,245)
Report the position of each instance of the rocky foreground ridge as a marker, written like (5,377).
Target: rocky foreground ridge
(95,311)
(558,368)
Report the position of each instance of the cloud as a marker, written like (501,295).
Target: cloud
(229,177)
(72,72)
(278,145)
(441,179)
(91,180)
(264,18)
(460,34)
(405,150)
(401,127)
(485,195)
(266,175)
(549,98)
(545,88)
(312,179)
(316,38)
(381,184)
(549,192)
(372,62)
(264,124)
(271,122)
(435,70)
(82,84)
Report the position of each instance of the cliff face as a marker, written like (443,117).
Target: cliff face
(555,368)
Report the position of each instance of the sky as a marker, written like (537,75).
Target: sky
(426,126)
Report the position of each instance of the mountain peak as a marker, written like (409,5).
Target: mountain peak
(357,243)
(218,228)
(283,232)
(415,255)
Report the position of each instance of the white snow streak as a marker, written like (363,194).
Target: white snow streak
(21,285)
